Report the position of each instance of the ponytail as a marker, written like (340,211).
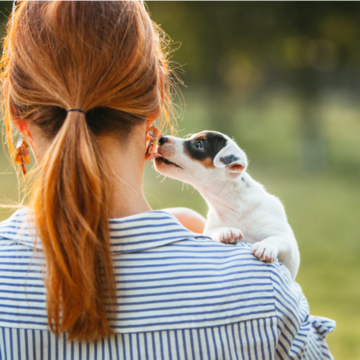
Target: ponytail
(71,205)
(59,55)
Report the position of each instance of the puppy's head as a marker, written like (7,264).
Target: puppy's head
(204,157)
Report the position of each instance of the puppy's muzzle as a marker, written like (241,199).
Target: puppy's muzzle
(163,140)
(166,152)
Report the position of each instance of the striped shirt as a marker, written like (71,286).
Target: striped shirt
(181,296)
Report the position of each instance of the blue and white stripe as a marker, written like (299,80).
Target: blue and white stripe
(181,296)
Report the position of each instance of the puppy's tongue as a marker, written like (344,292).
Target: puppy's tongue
(152,150)
(154,156)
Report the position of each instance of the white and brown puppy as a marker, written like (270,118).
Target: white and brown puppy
(239,207)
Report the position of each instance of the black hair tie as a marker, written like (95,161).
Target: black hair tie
(79,110)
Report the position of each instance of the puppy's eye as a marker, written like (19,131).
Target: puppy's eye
(198,146)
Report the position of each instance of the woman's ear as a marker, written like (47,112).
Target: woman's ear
(23,128)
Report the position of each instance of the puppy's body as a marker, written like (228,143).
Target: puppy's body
(239,207)
(261,218)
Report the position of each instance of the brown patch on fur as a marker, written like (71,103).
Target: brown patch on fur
(201,137)
(207,163)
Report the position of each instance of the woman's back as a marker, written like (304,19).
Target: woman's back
(82,82)
(180,296)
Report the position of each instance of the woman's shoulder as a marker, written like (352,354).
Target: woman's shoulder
(17,228)
(14,220)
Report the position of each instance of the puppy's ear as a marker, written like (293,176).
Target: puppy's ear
(231,157)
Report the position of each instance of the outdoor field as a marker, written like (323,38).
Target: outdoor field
(323,208)
(297,119)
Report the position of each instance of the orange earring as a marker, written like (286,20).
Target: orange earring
(22,155)
(151,142)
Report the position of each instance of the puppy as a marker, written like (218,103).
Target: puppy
(239,207)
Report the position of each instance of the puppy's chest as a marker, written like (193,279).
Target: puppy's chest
(246,218)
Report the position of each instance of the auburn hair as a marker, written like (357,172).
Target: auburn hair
(103,57)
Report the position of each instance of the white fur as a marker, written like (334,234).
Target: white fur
(239,206)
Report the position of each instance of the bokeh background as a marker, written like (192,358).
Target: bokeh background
(283,79)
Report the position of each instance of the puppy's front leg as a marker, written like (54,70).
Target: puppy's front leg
(284,249)
(225,235)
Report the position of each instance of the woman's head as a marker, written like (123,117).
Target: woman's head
(106,59)
(87,55)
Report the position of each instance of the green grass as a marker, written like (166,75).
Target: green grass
(323,208)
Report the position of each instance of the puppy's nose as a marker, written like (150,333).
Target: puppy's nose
(163,140)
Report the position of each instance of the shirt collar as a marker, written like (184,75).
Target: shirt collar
(129,234)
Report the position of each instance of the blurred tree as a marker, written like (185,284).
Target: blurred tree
(239,49)
(235,51)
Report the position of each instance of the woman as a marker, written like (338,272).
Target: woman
(88,270)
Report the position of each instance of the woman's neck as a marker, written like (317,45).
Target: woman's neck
(127,161)
(127,164)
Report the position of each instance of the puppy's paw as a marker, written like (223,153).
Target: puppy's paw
(265,251)
(227,235)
